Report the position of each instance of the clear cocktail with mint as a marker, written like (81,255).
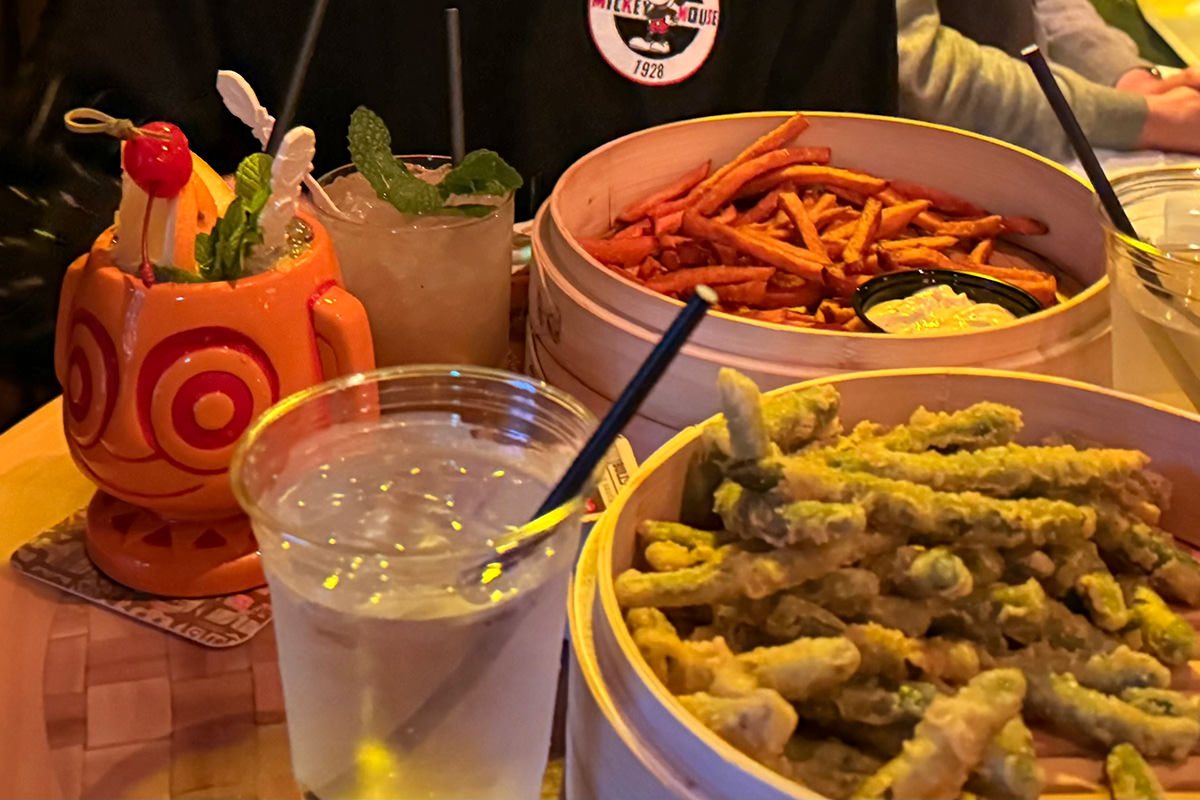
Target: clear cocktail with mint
(427,245)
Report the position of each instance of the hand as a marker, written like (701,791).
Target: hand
(1144,82)
(1173,123)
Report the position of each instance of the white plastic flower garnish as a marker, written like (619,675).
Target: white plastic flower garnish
(239,97)
(291,166)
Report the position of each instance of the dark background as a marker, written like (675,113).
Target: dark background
(536,90)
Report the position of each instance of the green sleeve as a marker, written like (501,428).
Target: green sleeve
(950,79)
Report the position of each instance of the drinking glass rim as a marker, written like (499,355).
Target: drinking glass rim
(1128,178)
(450,221)
(283,407)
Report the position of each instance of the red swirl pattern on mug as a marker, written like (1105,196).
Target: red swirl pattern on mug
(93,370)
(197,390)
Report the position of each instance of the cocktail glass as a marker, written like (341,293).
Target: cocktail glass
(436,287)
(406,671)
(158,384)
(1155,291)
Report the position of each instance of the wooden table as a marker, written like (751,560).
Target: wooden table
(94,704)
(97,705)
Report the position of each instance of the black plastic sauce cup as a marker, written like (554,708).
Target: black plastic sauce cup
(979,288)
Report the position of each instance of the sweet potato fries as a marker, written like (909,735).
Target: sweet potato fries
(784,237)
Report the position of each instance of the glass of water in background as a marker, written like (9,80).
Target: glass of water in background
(1155,286)
(435,287)
(411,666)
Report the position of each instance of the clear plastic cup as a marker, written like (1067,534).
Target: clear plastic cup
(1155,286)
(436,287)
(410,667)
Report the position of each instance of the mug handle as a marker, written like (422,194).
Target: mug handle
(343,333)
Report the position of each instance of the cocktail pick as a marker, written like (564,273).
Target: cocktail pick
(458,136)
(292,164)
(510,548)
(241,100)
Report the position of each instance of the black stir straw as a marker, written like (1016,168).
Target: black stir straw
(299,71)
(630,401)
(458,136)
(1087,156)
(1079,142)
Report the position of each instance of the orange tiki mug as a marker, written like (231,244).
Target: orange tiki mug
(158,384)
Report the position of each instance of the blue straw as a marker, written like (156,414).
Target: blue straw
(1078,139)
(630,401)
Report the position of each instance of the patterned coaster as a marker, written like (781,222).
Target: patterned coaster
(58,557)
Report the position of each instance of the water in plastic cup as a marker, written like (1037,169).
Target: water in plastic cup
(436,288)
(1155,291)
(370,496)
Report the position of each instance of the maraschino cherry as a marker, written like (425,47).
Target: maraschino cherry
(158,159)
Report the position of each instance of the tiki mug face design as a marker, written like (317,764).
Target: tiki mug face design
(159,382)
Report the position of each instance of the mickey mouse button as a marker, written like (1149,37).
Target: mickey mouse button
(654,42)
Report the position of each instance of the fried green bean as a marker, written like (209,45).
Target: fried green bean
(979,426)
(794,419)
(948,517)
(1071,561)
(1128,543)
(1024,610)
(936,572)
(1025,614)
(1129,776)
(1009,769)
(1004,471)
(950,740)
(866,702)
(1087,714)
(793,617)
(1102,596)
(1122,669)
(845,592)
(804,667)
(757,515)
(741,403)
(758,723)
(885,652)
(669,556)
(790,420)
(889,654)
(655,531)
(686,667)
(1162,702)
(733,572)
(1166,634)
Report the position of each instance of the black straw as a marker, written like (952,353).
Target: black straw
(1079,142)
(458,136)
(299,71)
(630,401)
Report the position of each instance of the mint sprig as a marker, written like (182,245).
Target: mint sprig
(371,151)
(220,254)
(482,172)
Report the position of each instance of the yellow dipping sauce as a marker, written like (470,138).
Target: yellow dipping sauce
(938,309)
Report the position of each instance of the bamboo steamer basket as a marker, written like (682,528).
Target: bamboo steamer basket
(596,325)
(621,712)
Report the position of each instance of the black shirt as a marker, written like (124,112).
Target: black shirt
(544,82)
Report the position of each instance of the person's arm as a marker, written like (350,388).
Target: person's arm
(1079,38)
(946,77)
